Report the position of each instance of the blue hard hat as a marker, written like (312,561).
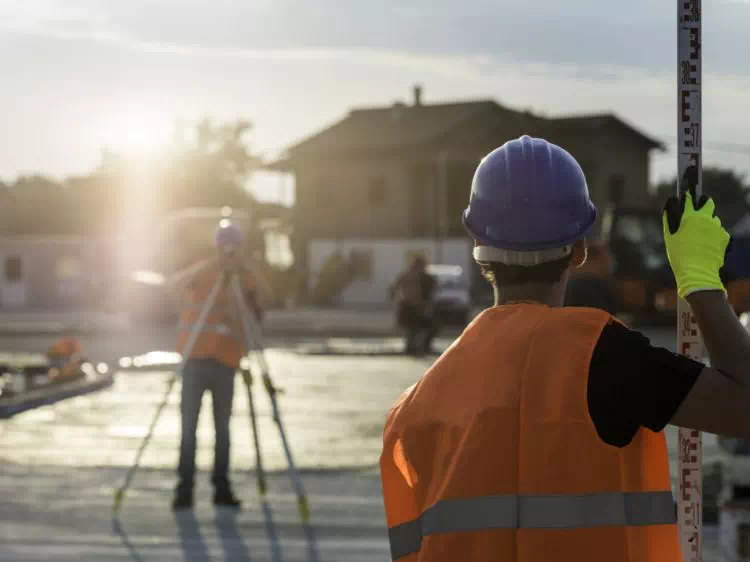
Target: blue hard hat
(228,235)
(529,195)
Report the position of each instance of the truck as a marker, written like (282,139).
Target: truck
(626,272)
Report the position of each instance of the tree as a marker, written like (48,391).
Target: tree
(211,170)
(33,204)
(725,186)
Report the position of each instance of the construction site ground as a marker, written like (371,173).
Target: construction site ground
(61,463)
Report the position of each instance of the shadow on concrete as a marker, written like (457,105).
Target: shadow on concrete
(118,529)
(191,540)
(359,350)
(271,533)
(273,537)
(312,543)
(234,546)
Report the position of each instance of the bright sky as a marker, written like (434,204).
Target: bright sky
(80,75)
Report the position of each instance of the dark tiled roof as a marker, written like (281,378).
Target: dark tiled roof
(395,126)
(600,120)
(401,126)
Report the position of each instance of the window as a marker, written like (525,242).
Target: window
(640,243)
(376,191)
(631,229)
(640,229)
(68,267)
(13,269)
(616,189)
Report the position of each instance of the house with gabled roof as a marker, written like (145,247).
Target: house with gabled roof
(384,182)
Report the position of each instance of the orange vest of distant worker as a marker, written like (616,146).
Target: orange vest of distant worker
(65,347)
(492,455)
(222,336)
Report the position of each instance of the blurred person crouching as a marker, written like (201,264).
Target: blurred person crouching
(414,292)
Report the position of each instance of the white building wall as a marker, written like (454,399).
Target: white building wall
(388,259)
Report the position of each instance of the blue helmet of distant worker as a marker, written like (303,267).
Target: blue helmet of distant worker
(228,236)
(529,204)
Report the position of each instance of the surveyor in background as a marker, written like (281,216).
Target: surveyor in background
(538,435)
(414,291)
(215,357)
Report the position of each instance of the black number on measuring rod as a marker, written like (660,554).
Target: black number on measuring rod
(692,135)
(686,72)
(691,12)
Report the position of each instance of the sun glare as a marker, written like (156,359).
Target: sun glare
(139,133)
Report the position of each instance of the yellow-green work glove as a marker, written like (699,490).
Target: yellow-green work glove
(696,243)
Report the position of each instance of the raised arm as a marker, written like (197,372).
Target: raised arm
(181,280)
(719,402)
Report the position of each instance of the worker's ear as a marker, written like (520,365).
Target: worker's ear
(580,253)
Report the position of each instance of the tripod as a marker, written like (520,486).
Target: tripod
(254,344)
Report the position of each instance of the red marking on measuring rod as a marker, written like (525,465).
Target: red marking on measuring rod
(688,325)
(690,175)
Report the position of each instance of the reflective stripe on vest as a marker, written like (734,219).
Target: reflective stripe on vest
(221,329)
(534,512)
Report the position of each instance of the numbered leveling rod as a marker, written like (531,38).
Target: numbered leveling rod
(689,343)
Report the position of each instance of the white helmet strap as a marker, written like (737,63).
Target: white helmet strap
(487,254)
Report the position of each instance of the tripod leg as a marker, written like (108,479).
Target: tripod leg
(120,492)
(302,505)
(255,344)
(213,295)
(261,475)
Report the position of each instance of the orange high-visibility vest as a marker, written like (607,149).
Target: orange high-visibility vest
(222,336)
(65,347)
(492,455)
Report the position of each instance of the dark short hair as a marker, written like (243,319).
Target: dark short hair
(500,274)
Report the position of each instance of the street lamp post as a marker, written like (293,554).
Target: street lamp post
(441,204)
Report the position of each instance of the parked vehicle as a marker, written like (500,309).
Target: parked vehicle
(452,295)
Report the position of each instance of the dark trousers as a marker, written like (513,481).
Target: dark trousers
(420,326)
(200,375)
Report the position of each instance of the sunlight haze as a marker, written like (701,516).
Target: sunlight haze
(84,75)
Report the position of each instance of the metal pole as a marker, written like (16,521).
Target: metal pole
(441,203)
(689,343)
(247,378)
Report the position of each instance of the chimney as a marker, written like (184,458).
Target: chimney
(417,96)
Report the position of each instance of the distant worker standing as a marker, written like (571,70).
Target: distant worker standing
(538,435)
(414,291)
(215,357)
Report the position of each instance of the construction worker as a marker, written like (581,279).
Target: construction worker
(413,291)
(538,435)
(65,358)
(215,357)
